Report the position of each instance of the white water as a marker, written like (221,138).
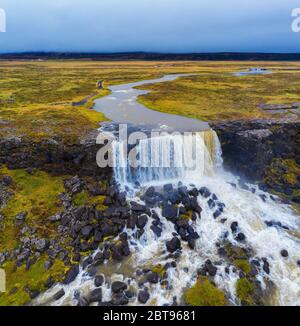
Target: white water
(242,206)
(167,157)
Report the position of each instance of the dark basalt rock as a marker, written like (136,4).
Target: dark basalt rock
(259,142)
(234,227)
(87,232)
(99,280)
(138,207)
(217,213)
(168,188)
(173,245)
(204,192)
(58,295)
(153,278)
(120,299)
(118,287)
(284,253)
(170,212)
(95,296)
(210,268)
(240,237)
(156,230)
(266,266)
(142,221)
(143,296)
(71,275)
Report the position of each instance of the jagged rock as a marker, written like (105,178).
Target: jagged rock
(168,188)
(194,192)
(173,245)
(138,207)
(87,232)
(240,237)
(156,230)
(58,295)
(284,253)
(49,282)
(217,213)
(95,296)
(7,180)
(71,275)
(153,278)
(47,265)
(118,287)
(142,221)
(266,266)
(204,192)
(192,243)
(210,268)
(234,227)
(99,280)
(21,216)
(120,299)
(74,185)
(143,296)
(170,212)
(41,245)
(150,192)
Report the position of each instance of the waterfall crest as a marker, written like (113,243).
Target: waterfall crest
(167,157)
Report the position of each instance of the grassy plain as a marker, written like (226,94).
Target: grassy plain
(36,97)
(218,95)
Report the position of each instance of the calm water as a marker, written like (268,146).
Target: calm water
(121,106)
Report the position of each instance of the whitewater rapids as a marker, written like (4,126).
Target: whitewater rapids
(243,206)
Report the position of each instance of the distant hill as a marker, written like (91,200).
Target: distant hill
(153,56)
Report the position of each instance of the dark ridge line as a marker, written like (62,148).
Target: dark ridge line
(153,56)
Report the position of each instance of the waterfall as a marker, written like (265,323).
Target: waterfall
(167,157)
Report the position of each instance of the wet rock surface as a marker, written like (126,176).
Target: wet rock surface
(264,143)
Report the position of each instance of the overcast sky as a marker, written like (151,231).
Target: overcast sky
(149,25)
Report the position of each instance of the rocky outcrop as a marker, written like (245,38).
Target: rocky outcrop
(53,155)
(250,147)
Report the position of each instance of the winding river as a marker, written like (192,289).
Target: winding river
(121,106)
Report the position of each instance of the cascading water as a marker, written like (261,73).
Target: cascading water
(165,158)
(248,207)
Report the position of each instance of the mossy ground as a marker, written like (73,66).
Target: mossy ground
(245,290)
(85,199)
(282,176)
(218,95)
(204,293)
(36,194)
(36,97)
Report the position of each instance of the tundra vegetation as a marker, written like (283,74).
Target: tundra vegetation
(42,100)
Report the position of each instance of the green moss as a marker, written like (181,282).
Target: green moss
(221,96)
(282,174)
(234,252)
(188,216)
(34,279)
(85,199)
(245,290)
(160,270)
(36,194)
(204,293)
(243,265)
